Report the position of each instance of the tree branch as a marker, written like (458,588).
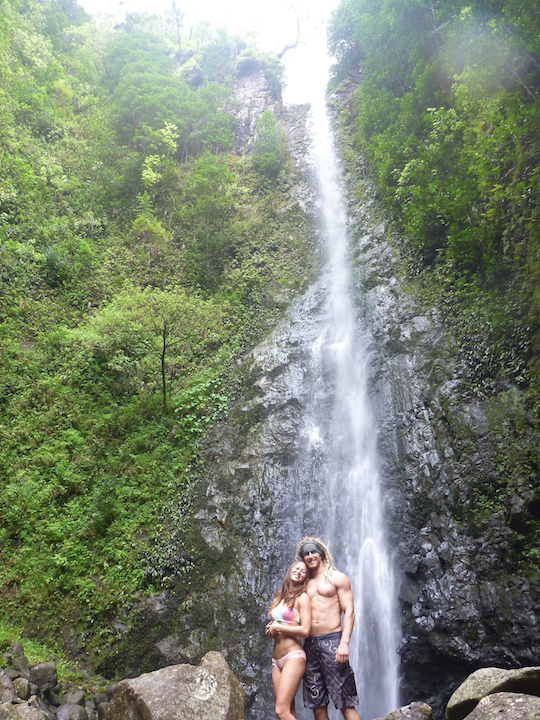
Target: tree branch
(293,45)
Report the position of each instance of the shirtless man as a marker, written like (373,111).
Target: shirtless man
(327,648)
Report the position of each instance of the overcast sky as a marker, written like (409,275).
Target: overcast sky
(272,23)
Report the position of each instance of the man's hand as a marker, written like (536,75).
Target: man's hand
(342,653)
(271,630)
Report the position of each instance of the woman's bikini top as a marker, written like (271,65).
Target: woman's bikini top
(282,613)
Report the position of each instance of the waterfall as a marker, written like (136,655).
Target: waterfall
(340,443)
(319,358)
(340,432)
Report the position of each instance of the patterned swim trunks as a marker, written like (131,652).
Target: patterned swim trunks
(325,676)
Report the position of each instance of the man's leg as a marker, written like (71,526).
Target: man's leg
(321,713)
(338,678)
(350,714)
(315,693)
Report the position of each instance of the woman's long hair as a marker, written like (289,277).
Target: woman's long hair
(327,559)
(289,591)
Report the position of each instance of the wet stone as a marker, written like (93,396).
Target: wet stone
(71,712)
(73,697)
(44,675)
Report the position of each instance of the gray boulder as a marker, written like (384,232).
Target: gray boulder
(71,712)
(21,666)
(73,697)
(24,688)
(488,681)
(37,703)
(52,698)
(414,711)
(7,690)
(44,675)
(181,692)
(9,712)
(507,706)
(18,660)
(24,711)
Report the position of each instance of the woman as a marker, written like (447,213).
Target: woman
(291,620)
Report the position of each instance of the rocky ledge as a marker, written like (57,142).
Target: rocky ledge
(487,694)
(34,692)
(177,692)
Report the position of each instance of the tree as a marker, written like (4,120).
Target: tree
(204,215)
(270,150)
(147,334)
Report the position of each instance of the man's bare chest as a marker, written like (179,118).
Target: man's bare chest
(319,588)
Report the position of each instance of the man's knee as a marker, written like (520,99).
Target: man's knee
(321,713)
(350,714)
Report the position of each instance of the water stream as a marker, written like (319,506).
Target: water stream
(349,512)
(340,448)
(334,488)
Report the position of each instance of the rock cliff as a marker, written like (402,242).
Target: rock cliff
(465,599)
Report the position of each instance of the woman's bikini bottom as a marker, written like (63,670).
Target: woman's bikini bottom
(280,662)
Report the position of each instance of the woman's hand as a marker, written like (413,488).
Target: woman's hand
(271,629)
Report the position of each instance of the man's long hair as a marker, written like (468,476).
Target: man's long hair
(289,591)
(327,559)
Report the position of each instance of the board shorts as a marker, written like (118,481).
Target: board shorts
(324,676)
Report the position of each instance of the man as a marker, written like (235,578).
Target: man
(327,648)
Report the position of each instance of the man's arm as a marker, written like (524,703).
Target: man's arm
(346,604)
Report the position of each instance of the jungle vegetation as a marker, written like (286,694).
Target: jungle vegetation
(442,101)
(140,258)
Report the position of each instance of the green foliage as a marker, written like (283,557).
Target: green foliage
(218,55)
(139,260)
(270,150)
(192,406)
(448,115)
(145,338)
(204,219)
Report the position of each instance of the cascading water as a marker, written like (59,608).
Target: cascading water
(339,451)
(314,370)
(349,509)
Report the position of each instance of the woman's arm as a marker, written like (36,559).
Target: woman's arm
(301,630)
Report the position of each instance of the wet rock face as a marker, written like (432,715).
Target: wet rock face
(253,95)
(464,601)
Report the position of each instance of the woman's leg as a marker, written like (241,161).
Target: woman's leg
(286,687)
(276,674)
